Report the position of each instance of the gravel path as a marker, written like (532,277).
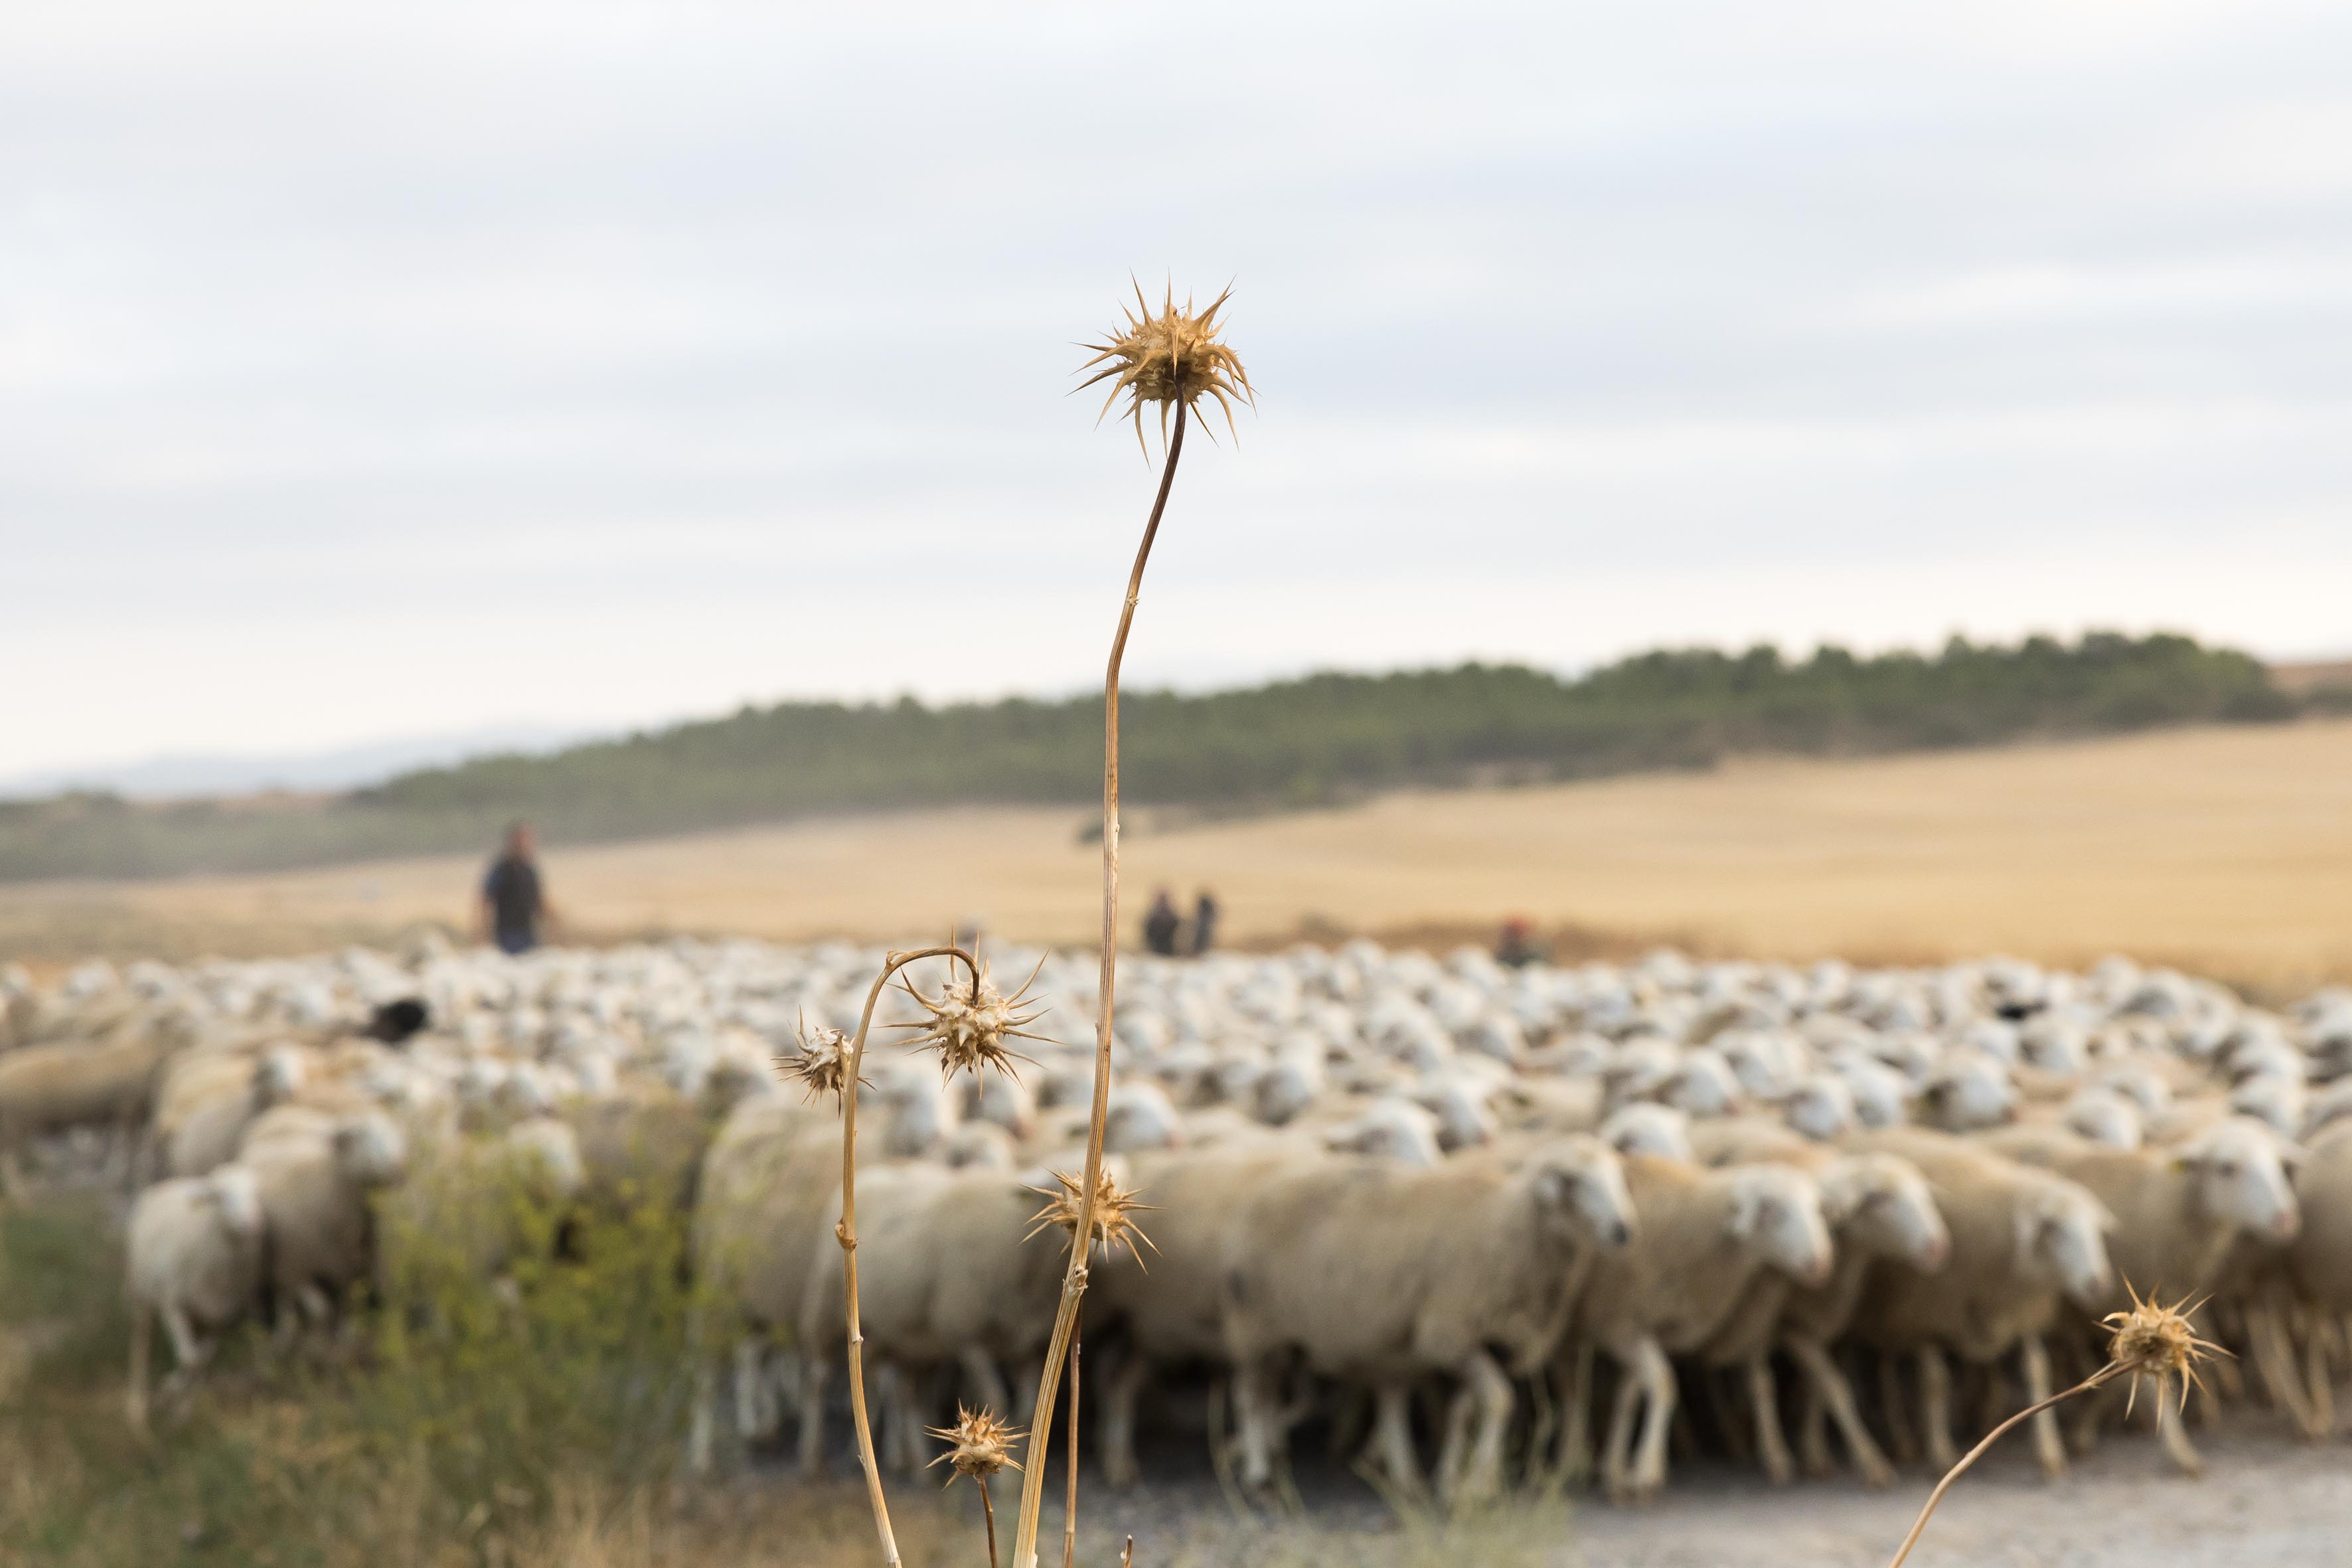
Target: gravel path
(2266,1501)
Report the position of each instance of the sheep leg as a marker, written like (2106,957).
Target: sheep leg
(1576,1431)
(1454,1452)
(1936,1408)
(1827,1392)
(142,1331)
(699,1432)
(190,1351)
(1901,1431)
(1813,1433)
(2097,1410)
(1253,1419)
(2174,1431)
(2318,1380)
(1393,1436)
(982,1377)
(2047,1445)
(1658,1392)
(1482,1477)
(1617,1448)
(1123,1393)
(813,1378)
(2274,1359)
(752,1420)
(1771,1447)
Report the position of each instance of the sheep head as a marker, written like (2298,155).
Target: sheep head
(236,1195)
(1579,1186)
(1644,1127)
(371,1151)
(2062,1238)
(1882,1204)
(1777,1211)
(2241,1172)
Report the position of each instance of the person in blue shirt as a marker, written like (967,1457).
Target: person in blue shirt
(513,906)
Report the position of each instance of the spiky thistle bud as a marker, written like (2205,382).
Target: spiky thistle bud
(1171,359)
(2157,1345)
(822,1065)
(972,1020)
(982,1445)
(1115,1210)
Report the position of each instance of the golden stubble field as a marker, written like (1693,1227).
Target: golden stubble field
(2226,848)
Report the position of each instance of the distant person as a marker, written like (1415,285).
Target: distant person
(514,902)
(1517,947)
(1160,925)
(1204,923)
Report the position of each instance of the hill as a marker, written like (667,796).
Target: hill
(1322,740)
(2223,848)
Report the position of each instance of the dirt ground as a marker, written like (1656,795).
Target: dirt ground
(2230,849)
(2266,1501)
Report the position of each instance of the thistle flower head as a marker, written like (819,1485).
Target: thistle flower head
(970,1021)
(982,1445)
(822,1065)
(1115,1210)
(1171,359)
(2158,1343)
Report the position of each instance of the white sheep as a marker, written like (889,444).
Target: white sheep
(2181,1217)
(1382,1274)
(315,1190)
(2023,1242)
(1705,1237)
(194,1260)
(949,1272)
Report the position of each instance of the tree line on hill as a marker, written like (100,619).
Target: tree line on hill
(1320,740)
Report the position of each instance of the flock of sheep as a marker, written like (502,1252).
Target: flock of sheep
(1481,1225)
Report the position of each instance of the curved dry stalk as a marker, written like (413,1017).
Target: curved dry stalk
(1074,1282)
(2104,1374)
(846,1232)
(1070,1512)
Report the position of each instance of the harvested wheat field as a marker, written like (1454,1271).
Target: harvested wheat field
(2227,848)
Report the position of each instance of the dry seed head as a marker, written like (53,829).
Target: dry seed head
(1170,359)
(1115,1212)
(971,1022)
(822,1065)
(983,1445)
(2158,1343)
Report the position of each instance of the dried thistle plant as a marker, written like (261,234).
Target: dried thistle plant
(821,1068)
(1168,361)
(980,1447)
(2160,1345)
(970,1027)
(836,1069)
(2149,1341)
(1114,1224)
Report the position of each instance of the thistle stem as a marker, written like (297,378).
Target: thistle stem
(988,1511)
(1070,1511)
(846,1232)
(1970,1458)
(1074,1282)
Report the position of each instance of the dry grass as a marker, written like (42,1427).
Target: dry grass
(2228,848)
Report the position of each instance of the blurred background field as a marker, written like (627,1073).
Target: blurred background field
(2224,849)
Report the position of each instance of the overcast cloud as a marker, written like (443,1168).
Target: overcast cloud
(379,373)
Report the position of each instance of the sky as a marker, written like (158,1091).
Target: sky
(371,372)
